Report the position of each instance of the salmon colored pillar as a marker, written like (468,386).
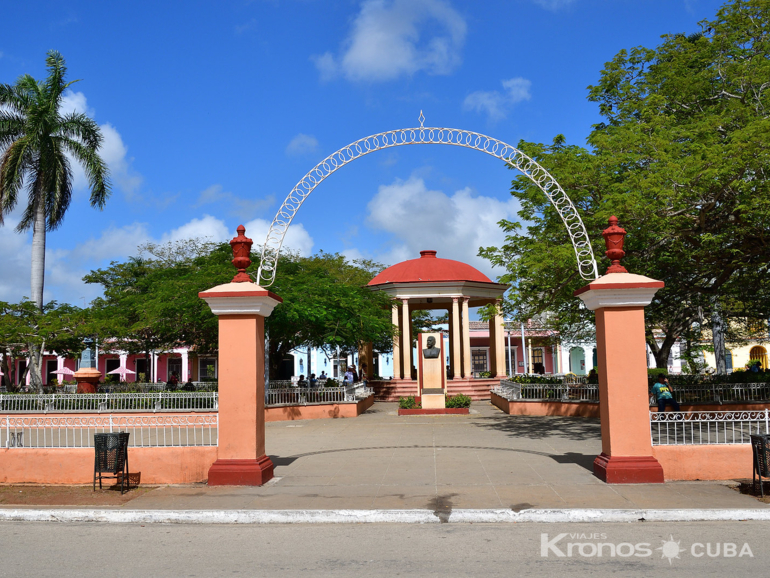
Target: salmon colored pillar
(241,307)
(619,299)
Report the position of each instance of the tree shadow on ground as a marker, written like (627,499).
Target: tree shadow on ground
(541,427)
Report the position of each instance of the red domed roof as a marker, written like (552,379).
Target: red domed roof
(429,268)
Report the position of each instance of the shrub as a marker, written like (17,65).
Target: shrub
(485,374)
(408,403)
(459,400)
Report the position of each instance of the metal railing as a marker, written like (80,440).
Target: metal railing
(565,392)
(78,432)
(696,428)
(720,393)
(108,402)
(317,395)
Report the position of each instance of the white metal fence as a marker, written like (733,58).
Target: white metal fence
(108,402)
(78,432)
(566,392)
(696,428)
(720,392)
(316,395)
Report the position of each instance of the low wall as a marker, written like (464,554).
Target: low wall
(393,389)
(177,465)
(542,408)
(705,462)
(325,411)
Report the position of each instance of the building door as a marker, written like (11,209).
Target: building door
(51,365)
(174,366)
(111,365)
(577,361)
(141,370)
(21,372)
(478,361)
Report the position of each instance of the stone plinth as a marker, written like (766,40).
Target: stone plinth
(241,309)
(619,300)
(88,379)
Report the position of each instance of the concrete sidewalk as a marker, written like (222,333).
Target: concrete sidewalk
(486,460)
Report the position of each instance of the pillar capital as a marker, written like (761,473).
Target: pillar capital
(619,290)
(240,299)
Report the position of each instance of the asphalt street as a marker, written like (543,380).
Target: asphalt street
(372,550)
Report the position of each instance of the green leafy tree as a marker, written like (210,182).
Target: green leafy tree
(37,143)
(151,301)
(60,328)
(682,159)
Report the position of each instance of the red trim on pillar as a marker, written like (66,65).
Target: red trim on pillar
(628,469)
(241,472)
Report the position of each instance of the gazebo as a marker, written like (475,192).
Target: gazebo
(433,283)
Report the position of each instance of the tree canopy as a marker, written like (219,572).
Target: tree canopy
(151,301)
(682,158)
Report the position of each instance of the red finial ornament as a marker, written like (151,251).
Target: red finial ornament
(613,239)
(241,250)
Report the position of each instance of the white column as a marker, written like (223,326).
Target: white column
(185,370)
(466,340)
(456,333)
(406,339)
(154,367)
(396,345)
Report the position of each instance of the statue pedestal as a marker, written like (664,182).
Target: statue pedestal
(88,379)
(431,371)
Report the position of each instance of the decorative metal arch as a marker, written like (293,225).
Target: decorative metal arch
(427,135)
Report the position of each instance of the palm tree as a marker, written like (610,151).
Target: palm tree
(37,143)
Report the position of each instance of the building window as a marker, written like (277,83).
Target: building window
(728,360)
(207,368)
(174,366)
(479,361)
(759,354)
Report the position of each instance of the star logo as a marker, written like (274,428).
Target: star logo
(670,549)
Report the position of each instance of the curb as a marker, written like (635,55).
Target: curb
(376,516)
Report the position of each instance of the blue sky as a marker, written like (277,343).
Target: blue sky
(212,111)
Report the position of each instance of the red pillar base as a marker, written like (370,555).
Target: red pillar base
(241,472)
(628,469)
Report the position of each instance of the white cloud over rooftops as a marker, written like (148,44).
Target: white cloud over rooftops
(455,225)
(393,38)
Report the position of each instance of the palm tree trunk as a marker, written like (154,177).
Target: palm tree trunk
(38,253)
(38,275)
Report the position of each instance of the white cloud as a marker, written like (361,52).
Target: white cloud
(302,144)
(553,5)
(456,226)
(206,227)
(245,208)
(297,238)
(496,104)
(392,38)
(113,150)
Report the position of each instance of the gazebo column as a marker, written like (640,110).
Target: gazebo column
(466,340)
(396,345)
(406,339)
(492,328)
(457,368)
(499,344)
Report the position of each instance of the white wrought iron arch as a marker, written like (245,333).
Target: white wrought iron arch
(427,135)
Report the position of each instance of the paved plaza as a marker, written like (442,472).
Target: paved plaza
(484,460)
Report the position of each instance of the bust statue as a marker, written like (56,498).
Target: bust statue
(432,352)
